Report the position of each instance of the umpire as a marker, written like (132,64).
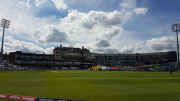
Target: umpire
(171,71)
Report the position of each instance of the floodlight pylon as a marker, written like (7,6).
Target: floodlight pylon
(5,24)
(176,28)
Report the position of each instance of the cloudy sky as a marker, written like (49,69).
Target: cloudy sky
(102,26)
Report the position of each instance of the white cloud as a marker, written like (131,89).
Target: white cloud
(26,47)
(9,39)
(127,5)
(91,26)
(60,4)
(24,5)
(23,46)
(162,43)
(112,49)
(36,34)
(127,16)
(23,21)
(102,43)
(49,50)
(140,10)
(40,2)
(94,17)
(93,29)
(128,9)
(20,27)
(130,49)
(88,23)
(12,45)
(105,18)
(52,35)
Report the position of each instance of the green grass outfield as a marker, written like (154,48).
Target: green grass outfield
(92,85)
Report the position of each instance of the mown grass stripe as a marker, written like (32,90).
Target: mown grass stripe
(92,85)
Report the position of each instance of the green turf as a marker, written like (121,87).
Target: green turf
(92,85)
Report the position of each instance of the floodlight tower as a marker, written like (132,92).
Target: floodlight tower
(176,28)
(5,24)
